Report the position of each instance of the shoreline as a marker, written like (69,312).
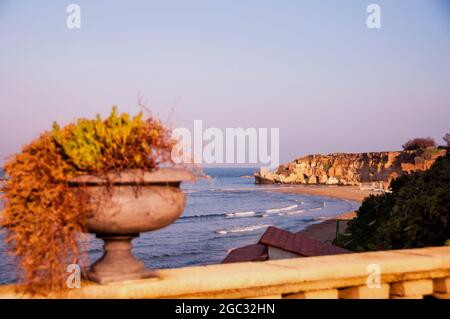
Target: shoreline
(340,192)
(326,230)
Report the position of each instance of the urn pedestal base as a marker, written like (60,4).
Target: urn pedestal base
(118,262)
(120,206)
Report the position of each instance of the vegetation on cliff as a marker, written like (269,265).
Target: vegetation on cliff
(419,143)
(416,213)
(350,168)
(43,216)
(446,139)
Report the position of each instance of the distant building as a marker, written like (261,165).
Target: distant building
(277,243)
(379,186)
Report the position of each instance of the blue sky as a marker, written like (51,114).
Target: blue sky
(311,68)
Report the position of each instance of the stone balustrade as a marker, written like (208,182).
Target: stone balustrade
(412,273)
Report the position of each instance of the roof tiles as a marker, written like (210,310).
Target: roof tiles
(298,243)
(255,252)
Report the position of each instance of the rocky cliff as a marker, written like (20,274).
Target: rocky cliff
(350,168)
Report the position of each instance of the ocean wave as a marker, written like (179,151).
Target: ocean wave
(241,229)
(191,191)
(202,216)
(240,189)
(283,211)
(241,214)
(174,254)
(230,190)
(321,218)
(295,212)
(276,210)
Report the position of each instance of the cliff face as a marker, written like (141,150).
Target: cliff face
(350,168)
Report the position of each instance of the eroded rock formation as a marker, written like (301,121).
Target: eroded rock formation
(350,168)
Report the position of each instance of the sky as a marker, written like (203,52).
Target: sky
(313,69)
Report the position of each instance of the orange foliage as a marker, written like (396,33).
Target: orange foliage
(43,215)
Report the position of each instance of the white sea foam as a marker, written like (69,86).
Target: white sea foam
(314,209)
(240,214)
(295,212)
(241,229)
(276,210)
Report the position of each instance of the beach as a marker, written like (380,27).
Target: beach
(326,230)
(341,192)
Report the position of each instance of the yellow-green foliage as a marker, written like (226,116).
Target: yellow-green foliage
(117,143)
(42,214)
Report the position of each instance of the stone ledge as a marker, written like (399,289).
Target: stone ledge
(412,288)
(364,292)
(273,278)
(442,285)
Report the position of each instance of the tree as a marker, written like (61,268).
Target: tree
(416,213)
(447,139)
(419,143)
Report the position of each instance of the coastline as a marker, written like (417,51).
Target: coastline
(326,230)
(341,192)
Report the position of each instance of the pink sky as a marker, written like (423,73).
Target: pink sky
(311,68)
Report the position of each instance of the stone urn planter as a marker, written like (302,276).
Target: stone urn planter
(134,202)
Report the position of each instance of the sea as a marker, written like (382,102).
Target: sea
(224,212)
